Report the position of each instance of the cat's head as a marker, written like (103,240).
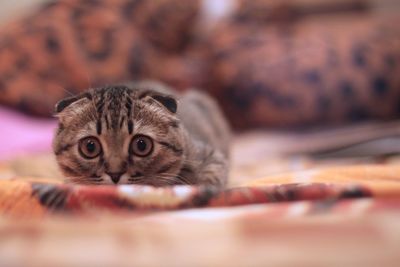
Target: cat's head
(119,135)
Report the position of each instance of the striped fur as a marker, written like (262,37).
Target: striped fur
(190,140)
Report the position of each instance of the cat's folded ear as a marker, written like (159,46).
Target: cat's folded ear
(152,90)
(62,104)
(168,101)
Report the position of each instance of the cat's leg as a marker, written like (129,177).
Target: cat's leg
(214,170)
(205,166)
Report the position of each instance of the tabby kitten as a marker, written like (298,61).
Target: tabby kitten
(141,133)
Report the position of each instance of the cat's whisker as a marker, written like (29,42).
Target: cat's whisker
(137,174)
(85,180)
(136,179)
(177,176)
(168,181)
(174,178)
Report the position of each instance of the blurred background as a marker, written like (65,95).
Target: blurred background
(273,65)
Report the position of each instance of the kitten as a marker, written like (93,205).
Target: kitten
(142,133)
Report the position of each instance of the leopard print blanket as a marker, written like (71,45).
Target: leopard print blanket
(269,63)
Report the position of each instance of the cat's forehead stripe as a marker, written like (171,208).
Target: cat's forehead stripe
(113,105)
(98,127)
(130,127)
(100,106)
(122,122)
(107,121)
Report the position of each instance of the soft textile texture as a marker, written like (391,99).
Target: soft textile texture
(207,238)
(30,198)
(284,224)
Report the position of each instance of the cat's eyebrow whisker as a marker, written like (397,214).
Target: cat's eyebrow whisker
(65,90)
(88,80)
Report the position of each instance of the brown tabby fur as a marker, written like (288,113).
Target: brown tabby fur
(191,145)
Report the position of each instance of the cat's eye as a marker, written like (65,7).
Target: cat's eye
(141,145)
(89,147)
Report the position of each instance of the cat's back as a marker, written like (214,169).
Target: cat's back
(204,119)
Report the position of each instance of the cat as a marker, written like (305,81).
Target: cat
(142,133)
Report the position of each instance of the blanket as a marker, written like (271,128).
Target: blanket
(342,216)
(37,198)
(289,63)
(293,199)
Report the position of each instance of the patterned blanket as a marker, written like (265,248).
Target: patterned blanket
(346,216)
(327,62)
(32,198)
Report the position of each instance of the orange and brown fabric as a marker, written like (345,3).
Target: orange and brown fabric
(269,63)
(67,46)
(349,215)
(37,198)
(313,71)
(183,239)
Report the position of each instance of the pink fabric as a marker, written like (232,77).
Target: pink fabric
(21,134)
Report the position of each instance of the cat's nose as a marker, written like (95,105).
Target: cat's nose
(115,177)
